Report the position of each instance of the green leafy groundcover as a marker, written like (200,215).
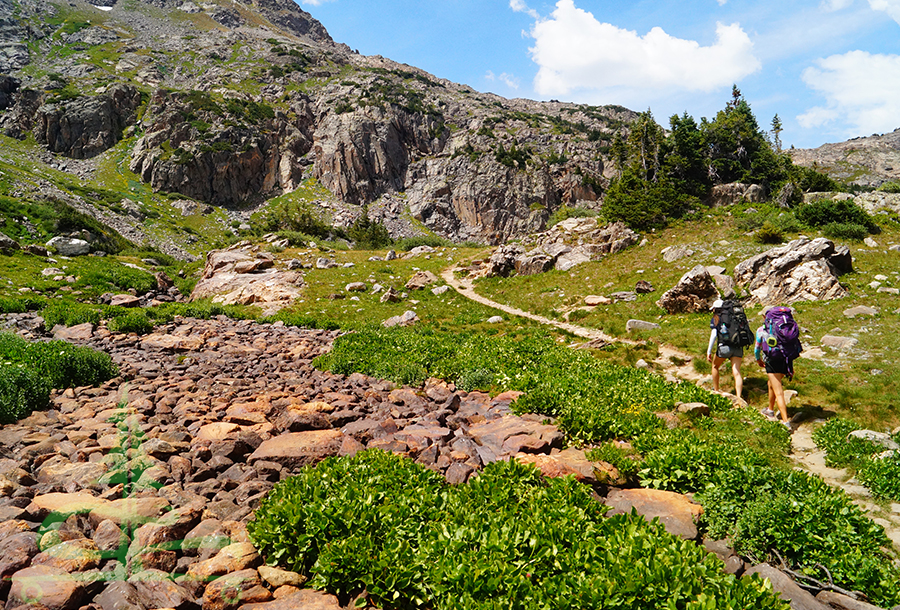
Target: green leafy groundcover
(380,524)
(593,400)
(773,513)
(28,370)
(877,470)
(733,461)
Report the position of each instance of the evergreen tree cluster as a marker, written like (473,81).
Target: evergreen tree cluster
(663,175)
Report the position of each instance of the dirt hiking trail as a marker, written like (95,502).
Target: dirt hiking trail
(804,452)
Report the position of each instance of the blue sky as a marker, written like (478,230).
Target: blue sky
(830,69)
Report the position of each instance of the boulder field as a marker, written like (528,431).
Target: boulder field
(136,494)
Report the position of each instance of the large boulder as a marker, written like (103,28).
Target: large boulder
(239,276)
(694,292)
(803,270)
(736,192)
(70,246)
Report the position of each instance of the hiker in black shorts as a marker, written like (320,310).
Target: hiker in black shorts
(776,348)
(723,352)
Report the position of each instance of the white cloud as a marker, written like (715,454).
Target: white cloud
(507,79)
(722,2)
(577,52)
(510,81)
(315,2)
(861,89)
(891,7)
(519,6)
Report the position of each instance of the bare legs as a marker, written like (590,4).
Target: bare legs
(735,371)
(776,395)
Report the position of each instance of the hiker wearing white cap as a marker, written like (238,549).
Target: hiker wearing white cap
(727,341)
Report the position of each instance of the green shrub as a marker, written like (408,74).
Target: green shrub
(28,370)
(891,186)
(21,304)
(840,448)
(881,476)
(594,401)
(69,313)
(845,230)
(822,212)
(820,530)
(296,216)
(368,234)
(379,524)
(134,321)
(772,513)
(769,234)
(21,392)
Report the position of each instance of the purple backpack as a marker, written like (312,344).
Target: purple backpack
(784,337)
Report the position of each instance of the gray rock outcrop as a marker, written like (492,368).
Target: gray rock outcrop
(735,192)
(567,244)
(88,126)
(694,292)
(802,270)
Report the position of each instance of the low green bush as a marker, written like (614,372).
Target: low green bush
(882,476)
(134,321)
(21,304)
(840,448)
(775,513)
(69,313)
(21,392)
(59,363)
(822,212)
(381,525)
(769,234)
(845,230)
(626,460)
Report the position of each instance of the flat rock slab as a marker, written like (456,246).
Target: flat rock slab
(675,511)
(130,511)
(173,343)
(297,449)
(569,462)
(69,504)
(79,332)
(493,434)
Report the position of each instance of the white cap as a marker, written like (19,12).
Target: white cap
(718,303)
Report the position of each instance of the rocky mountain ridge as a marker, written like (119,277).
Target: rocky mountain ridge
(868,162)
(243,101)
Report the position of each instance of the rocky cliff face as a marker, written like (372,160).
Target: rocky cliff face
(868,161)
(232,104)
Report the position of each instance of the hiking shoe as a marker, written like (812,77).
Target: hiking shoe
(768,413)
(787,425)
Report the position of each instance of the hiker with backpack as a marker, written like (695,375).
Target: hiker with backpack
(777,346)
(729,333)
